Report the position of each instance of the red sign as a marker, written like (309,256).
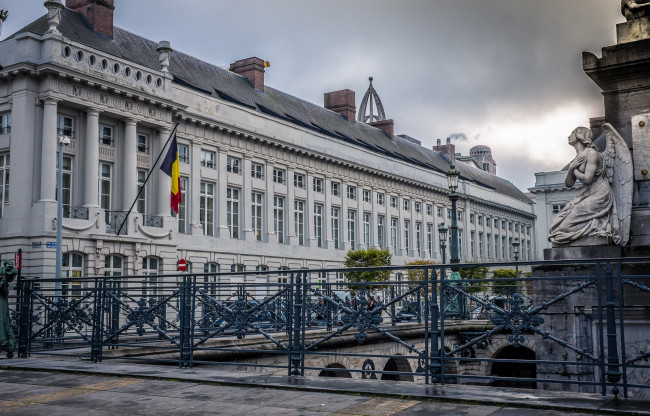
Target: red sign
(18,260)
(182,265)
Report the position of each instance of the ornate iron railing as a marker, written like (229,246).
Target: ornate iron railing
(152,221)
(579,325)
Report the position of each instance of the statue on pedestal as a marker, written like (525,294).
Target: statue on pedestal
(7,339)
(601,213)
(635,9)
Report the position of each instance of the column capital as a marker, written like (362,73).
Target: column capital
(92,112)
(50,100)
(130,122)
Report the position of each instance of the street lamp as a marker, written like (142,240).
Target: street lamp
(442,236)
(515,251)
(63,141)
(452,181)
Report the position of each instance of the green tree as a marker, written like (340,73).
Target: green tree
(371,257)
(474,273)
(504,287)
(417,275)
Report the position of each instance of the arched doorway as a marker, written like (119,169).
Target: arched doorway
(397,364)
(335,373)
(516,370)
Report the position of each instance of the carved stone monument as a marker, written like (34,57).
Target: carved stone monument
(623,74)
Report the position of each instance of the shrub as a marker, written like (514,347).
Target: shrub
(371,257)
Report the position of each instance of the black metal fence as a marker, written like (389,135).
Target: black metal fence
(578,325)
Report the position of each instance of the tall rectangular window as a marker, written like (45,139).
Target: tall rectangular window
(366,229)
(182,208)
(299,180)
(418,207)
(472,243)
(105,188)
(480,245)
(352,192)
(318,185)
(64,126)
(488,241)
(430,210)
(257,170)
(504,250)
(142,193)
(299,221)
(352,225)
(366,195)
(257,209)
(278,217)
(142,144)
(496,246)
(336,189)
(106,135)
(336,227)
(381,229)
(183,153)
(430,239)
(407,236)
(418,238)
(233,164)
(380,199)
(279,175)
(5,123)
(207,159)
(232,211)
(206,208)
(318,224)
(67,185)
(439,212)
(393,234)
(4,182)
(393,202)
(406,204)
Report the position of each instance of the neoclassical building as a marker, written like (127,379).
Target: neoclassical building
(269,181)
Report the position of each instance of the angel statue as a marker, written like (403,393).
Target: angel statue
(635,9)
(601,212)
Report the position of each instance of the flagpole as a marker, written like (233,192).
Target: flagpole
(147,178)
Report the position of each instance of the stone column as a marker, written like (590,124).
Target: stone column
(91,171)
(130,171)
(164,183)
(48,151)
(271,237)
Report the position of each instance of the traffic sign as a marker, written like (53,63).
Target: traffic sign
(182,265)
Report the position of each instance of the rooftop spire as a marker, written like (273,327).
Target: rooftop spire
(371,97)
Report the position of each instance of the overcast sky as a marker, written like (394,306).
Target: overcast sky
(504,73)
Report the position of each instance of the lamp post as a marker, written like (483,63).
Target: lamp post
(442,237)
(63,141)
(515,251)
(452,181)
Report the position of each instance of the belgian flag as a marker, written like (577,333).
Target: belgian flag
(171,167)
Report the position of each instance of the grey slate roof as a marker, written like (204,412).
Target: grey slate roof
(221,83)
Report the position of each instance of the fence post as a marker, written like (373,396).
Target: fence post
(116,287)
(185,323)
(393,319)
(98,314)
(435,362)
(296,347)
(613,373)
(25,318)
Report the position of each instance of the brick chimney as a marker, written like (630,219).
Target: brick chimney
(341,102)
(98,14)
(448,150)
(387,126)
(252,69)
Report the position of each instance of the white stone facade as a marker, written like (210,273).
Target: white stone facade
(119,115)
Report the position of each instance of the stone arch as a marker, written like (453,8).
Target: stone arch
(335,372)
(515,370)
(397,364)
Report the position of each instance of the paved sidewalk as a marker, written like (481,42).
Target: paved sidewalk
(37,386)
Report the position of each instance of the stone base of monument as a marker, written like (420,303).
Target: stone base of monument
(640,227)
(637,29)
(576,320)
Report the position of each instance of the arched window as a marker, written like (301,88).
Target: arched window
(72,266)
(283,275)
(211,281)
(113,265)
(150,266)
